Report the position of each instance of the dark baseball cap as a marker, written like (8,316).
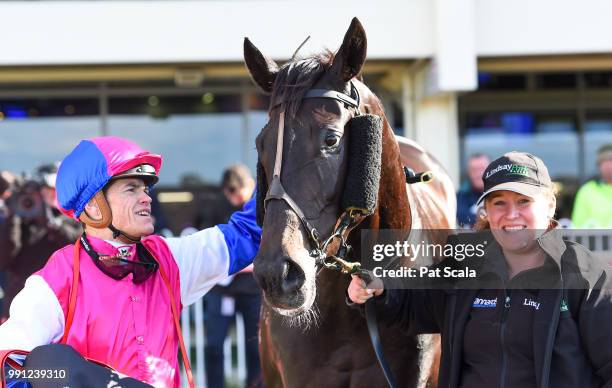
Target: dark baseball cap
(519,172)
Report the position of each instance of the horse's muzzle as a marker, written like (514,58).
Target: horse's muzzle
(282,280)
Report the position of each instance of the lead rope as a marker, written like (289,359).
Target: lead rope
(347,222)
(338,262)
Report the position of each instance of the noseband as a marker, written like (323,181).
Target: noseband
(278,192)
(347,221)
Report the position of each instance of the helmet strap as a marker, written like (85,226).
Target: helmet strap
(121,235)
(105,211)
(106,220)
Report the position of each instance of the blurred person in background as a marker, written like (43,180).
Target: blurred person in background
(7,181)
(593,204)
(471,190)
(33,229)
(239,293)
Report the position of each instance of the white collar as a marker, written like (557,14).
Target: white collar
(118,244)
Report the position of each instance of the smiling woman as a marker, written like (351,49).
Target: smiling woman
(518,206)
(538,308)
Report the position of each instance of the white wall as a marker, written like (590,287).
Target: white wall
(101,32)
(536,27)
(437,130)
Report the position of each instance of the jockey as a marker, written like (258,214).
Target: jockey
(128,278)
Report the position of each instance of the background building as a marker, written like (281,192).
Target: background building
(458,76)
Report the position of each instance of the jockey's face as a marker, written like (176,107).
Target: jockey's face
(130,205)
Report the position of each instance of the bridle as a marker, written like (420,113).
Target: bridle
(347,220)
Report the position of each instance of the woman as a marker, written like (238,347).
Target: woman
(548,321)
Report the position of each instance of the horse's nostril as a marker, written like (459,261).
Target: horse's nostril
(292,278)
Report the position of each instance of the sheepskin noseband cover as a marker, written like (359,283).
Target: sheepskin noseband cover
(364,163)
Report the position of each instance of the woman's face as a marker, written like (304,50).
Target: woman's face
(516,220)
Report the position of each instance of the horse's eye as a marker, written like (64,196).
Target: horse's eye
(332,140)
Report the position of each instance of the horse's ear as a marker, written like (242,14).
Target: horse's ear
(262,69)
(352,54)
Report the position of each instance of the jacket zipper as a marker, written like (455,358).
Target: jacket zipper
(550,341)
(502,332)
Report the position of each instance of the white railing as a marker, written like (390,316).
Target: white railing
(192,323)
(599,241)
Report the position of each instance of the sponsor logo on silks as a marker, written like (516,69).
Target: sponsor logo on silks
(564,306)
(513,169)
(124,252)
(485,303)
(532,303)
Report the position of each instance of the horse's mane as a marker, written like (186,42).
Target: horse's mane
(298,76)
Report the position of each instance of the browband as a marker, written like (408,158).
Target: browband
(352,100)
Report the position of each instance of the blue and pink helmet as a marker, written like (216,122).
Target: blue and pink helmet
(95,162)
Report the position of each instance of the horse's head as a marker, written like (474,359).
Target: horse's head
(306,174)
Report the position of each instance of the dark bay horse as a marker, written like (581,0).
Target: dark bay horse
(309,337)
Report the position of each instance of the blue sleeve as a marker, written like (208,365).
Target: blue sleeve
(242,236)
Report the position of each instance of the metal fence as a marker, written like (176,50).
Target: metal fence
(192,323)
(599,241)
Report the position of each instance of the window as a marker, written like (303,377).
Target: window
(43,130)
(198,136)
(552,137)
(492,81)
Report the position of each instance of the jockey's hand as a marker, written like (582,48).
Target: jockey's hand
(359,292)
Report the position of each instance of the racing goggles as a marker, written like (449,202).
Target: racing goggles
(118,267)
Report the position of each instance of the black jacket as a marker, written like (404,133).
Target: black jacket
(571,331)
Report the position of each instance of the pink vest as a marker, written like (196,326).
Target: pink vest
(124,325)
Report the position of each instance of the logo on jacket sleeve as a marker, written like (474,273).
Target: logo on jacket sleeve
(485,303)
